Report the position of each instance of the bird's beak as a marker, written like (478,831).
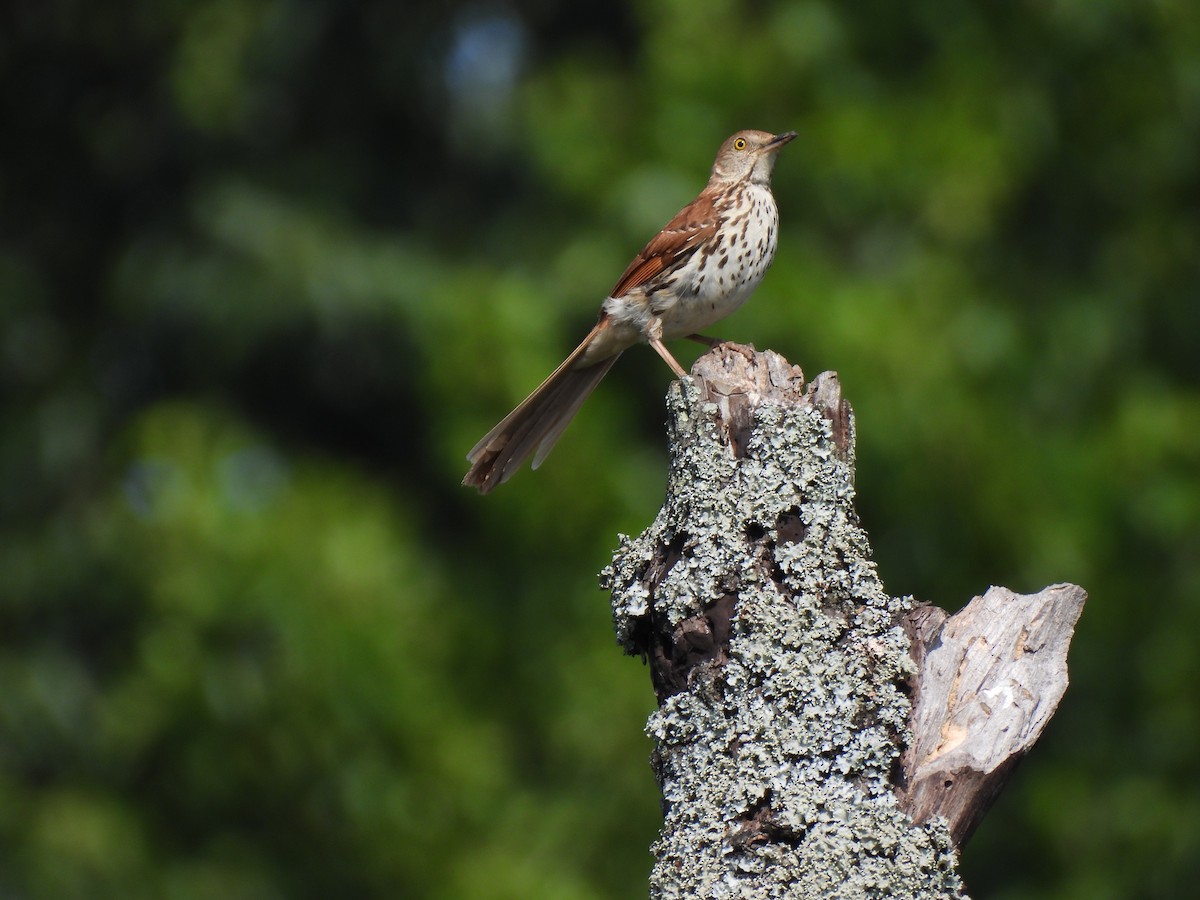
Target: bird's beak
(780,139)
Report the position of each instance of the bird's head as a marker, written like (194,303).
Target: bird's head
(749,155)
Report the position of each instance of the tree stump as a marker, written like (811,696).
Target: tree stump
(815,737)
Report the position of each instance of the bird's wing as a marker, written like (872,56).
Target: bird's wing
(679,239)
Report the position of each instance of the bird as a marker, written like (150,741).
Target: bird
(701,267)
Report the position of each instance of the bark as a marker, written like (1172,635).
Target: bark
(791,757)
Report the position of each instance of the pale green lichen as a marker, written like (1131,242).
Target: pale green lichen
(804,722)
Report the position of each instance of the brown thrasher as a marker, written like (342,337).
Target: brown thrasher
(700,268)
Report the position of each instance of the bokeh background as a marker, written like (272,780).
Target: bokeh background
(269,268)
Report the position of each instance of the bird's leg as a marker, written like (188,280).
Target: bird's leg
(662,351)
(654,337)
(704,339)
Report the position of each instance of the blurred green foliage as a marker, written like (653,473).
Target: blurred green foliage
(269,268)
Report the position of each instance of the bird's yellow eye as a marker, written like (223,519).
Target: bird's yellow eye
(739,144)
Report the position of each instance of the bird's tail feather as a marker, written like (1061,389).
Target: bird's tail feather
(537,423)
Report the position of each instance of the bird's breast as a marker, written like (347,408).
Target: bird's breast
(723,273)
(712,281)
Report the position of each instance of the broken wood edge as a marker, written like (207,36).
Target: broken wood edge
(989,678)
(738,378)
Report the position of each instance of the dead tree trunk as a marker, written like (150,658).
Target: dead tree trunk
(815,737)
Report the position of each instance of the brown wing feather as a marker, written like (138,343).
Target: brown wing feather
(671,247)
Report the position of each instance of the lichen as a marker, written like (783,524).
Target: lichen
(775,765)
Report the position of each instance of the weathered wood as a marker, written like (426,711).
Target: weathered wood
(782,667)
(990,678)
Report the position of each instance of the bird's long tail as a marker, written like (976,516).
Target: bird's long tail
(533,427)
